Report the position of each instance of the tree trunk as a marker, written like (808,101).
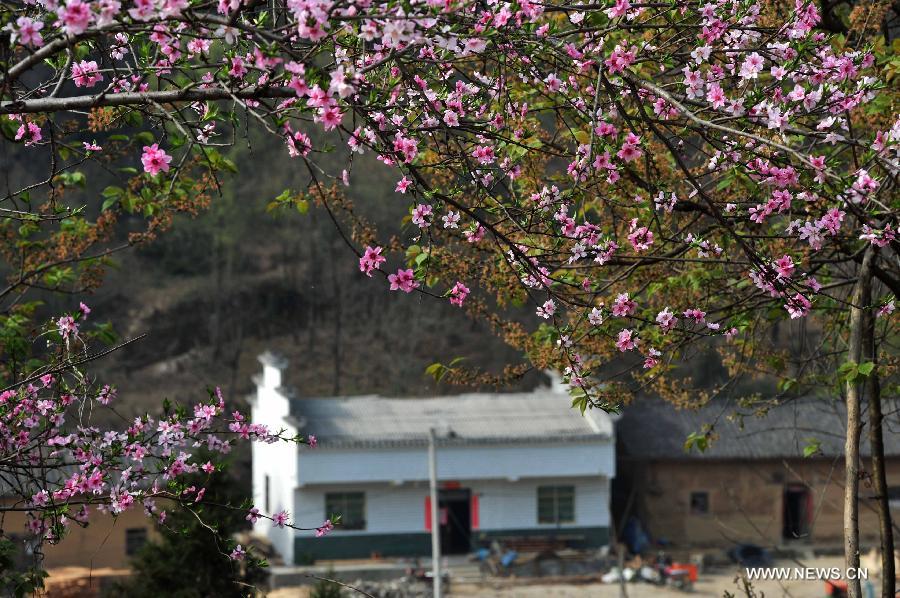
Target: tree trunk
(862,295)
(879,477)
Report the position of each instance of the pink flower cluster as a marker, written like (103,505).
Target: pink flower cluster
(86,73)
(155,159)
(371,260)
(116,470)
(458,294)
(403,280)
(753,119)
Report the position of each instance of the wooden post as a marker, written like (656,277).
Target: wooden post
(435,523)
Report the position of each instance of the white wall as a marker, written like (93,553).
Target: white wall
(505,478)
(389,509)
(470,462)
(514,506)
(278,460)
(501,504)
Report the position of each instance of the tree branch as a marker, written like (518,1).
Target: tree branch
(134,98)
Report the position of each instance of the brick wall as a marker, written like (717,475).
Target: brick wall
(745,500)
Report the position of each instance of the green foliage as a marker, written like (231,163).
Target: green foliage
(786,384)
(545,334)
(813,447)
(696,441)
(326,589)
(59,276)
(72,179)
(421,260)
(13,335)
(14,581)
(182,251)
(851,372)
(866,368)
(580,399)
(890,59)
(439,370)
(287,199)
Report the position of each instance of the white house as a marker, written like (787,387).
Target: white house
(509,466)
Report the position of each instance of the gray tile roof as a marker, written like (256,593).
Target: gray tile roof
(483,418)
(652,429)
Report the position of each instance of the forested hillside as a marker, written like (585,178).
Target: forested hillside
(219,288)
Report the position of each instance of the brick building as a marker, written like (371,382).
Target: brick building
(106,542)
(753,484)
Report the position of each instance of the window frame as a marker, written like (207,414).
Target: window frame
(698,493)
(130,548)
(562,514)
(340,503)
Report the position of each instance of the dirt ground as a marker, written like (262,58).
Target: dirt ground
(711,583)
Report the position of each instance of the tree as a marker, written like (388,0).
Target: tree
(649,178)
(192,559)
(324,588)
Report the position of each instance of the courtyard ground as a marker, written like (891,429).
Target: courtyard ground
(715,582)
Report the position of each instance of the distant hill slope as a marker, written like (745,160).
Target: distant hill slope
(216,290)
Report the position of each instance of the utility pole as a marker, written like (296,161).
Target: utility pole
(435,524)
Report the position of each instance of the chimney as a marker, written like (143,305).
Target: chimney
(557,386)
(273,368)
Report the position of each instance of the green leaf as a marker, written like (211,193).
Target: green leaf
(579,399)
(72,179)
(698,441)
(113,191)
(866,368)
(212,111)
(787,384)
(813,447)
(848,371)
(437,371)
(57,277)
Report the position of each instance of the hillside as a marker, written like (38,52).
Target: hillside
(218,289)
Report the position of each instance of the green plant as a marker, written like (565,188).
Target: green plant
(325,588)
